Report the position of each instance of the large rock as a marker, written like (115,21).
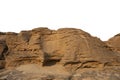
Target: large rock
(63,54)
(77,49)
(114,43)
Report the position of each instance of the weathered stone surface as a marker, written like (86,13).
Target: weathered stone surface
(40,74)
(105,74)
(114,43)
(23,49)
(3,50)
(63,54)
(76,49)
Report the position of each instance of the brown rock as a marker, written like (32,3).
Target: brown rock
(25,36)
(114,43)
(68,49)
(77,49)
(2,64)
(22,50)
(3,49)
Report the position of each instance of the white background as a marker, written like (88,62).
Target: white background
(100,18)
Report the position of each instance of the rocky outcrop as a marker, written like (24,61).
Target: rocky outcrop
(114,43)
(62,54)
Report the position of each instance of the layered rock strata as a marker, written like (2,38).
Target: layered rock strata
(63,54)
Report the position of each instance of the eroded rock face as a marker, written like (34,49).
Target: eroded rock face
(77,49)
(114,43)
(3,50)
(72,49)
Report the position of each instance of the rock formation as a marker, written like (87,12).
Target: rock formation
(114,43)
(63,54)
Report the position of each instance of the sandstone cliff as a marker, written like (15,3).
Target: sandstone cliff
(63,54)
